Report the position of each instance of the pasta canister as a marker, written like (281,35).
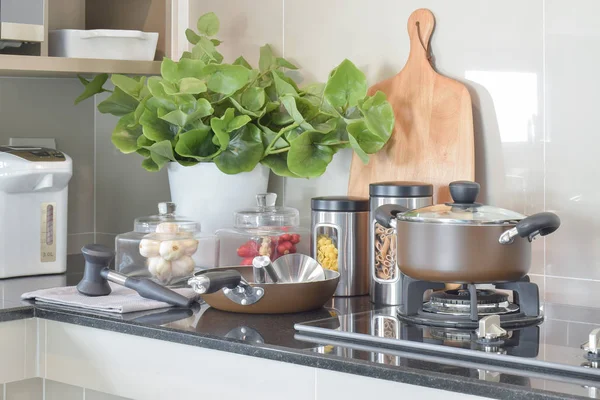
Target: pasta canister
(340,226)
(386,280)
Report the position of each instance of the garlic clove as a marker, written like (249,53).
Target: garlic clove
(149,248)
(183,267)
(167,227)
(171,249)
(160,268)
(190,246)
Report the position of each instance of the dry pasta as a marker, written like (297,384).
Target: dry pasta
(327,253)
(385,252)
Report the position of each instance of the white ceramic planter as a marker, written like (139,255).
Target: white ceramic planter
(207,195)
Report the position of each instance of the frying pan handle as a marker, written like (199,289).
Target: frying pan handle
(542,224)
(212,281)
(385,215)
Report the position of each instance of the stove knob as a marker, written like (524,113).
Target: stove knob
(489,328)
(592,346)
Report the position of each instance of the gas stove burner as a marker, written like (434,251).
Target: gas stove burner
(458,302)
(463,308)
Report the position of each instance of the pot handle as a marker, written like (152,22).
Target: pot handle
(385,215)
(542,224)
(212,281)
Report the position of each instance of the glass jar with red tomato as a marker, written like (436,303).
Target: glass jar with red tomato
(264,230)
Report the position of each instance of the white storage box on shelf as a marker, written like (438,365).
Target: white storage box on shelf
(103,43)
(33,210)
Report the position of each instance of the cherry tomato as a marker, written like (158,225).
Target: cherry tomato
(247,261)
(295,239)
(286,237)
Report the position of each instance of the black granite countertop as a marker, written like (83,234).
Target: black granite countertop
(273,337)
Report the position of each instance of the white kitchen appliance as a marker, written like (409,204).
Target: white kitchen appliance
(33,210)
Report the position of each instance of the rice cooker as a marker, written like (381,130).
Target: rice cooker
(33,210)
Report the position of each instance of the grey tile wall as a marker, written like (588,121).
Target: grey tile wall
(28,389)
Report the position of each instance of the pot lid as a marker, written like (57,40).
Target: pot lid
(463,211)
(166,213)
(266,214)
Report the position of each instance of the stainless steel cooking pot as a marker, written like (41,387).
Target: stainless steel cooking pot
(464,241)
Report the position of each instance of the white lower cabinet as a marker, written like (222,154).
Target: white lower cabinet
(134,367)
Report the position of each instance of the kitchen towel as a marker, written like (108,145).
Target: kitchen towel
(121,300)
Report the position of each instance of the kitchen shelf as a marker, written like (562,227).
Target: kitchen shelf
(38,66)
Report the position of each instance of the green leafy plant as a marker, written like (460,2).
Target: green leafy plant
(203,110)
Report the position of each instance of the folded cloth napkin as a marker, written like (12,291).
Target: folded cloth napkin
(121,300)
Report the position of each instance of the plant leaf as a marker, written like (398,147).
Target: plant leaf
(268,137)
(244,151)
(155,128)
(226,124)
(142,143)
(176,117)
(226,79)
(289,102)
(306,158)
(242,61)
(282,62)
(191,86)
(131,86)
(363,140)
(282,87)
(118,103)
(379,115)
(216,42)
(192,36)
(186,55)
(346,86)
(208,24)
(196,144)
(253,98)
(125,136)
(150,165)
(278,164)
(91,87)
(161,153)
(206,52)
(199,109)
(267,60)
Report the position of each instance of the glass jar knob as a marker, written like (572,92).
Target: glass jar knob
(166,208)
(266,199)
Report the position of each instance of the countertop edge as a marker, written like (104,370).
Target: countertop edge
(400,374)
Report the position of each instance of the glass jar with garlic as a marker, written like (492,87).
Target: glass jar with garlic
(163,247)
(264,230)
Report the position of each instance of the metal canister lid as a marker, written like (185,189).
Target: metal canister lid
(401,189)
(340,203)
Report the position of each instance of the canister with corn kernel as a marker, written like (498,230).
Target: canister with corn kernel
(339,240)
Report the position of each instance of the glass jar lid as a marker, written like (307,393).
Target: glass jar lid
(463,211)
(166,214)
(266,214)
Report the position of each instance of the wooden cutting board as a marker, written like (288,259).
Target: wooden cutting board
(432,139)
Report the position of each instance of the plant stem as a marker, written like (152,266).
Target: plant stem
(278,151)
(279,134)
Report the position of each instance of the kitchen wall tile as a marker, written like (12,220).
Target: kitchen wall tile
(71,359)
(28,389)
(573,314)
(576,292)
(502,59)
(12,349)
(76,241)
(60,391)
(337,385)
(94,395)
(41,347)
(107,239)
(2,392)
(44,108)
(124,190)
(245,26)
(571,150)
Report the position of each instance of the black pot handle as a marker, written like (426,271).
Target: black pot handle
(542,224)
(386,214)
(212,281)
